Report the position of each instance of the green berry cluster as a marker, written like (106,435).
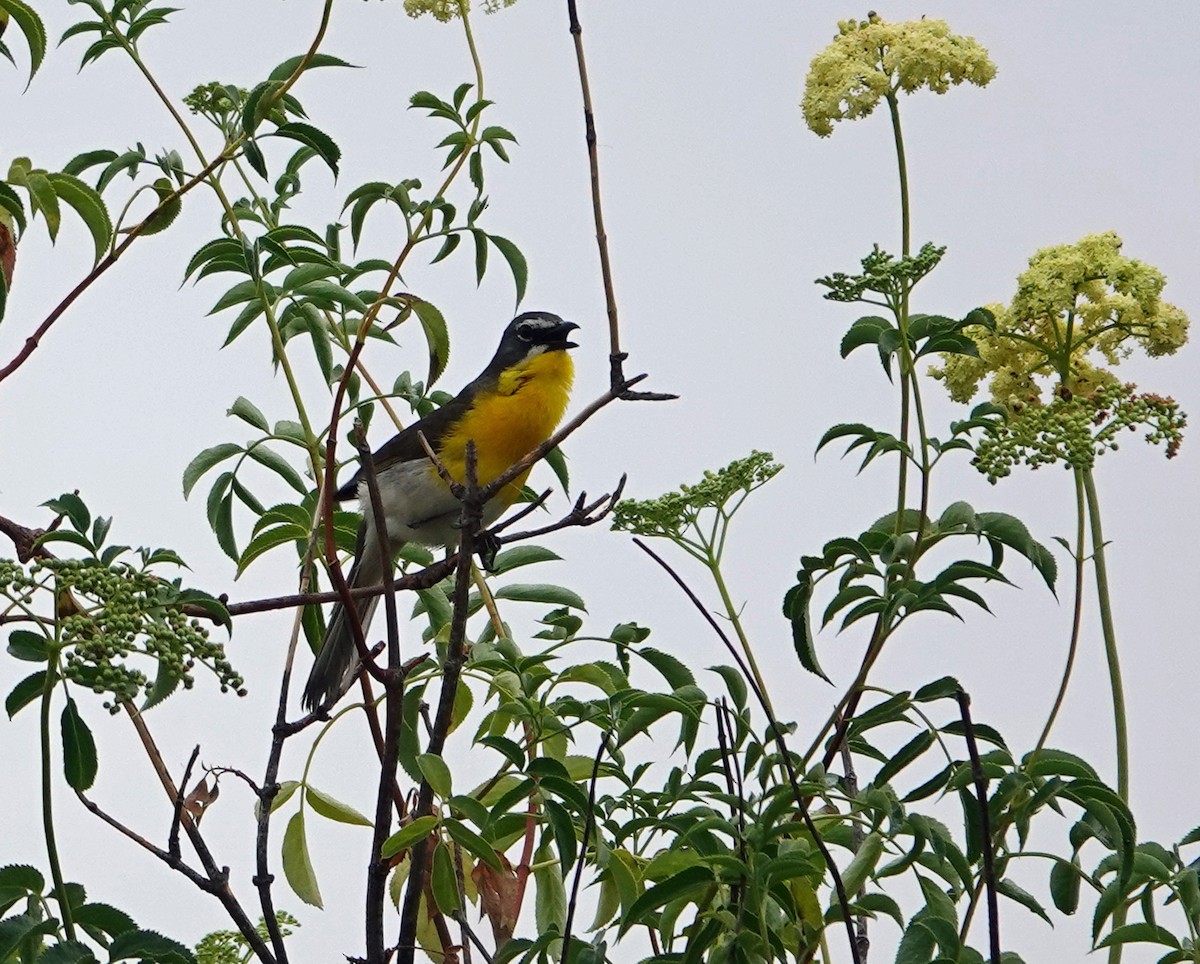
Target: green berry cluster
(1077,429)
(670,514)
(883,274)
(110,614)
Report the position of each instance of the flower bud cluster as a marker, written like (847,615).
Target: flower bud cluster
(1077,429)
(108,615)
(670,514)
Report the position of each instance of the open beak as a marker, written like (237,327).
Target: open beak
(557,337)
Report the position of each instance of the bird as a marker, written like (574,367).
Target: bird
(513,406)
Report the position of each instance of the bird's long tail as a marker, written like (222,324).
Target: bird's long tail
(337,660)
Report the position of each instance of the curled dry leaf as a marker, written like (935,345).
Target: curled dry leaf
(498,893)
(201,798)
(8,248)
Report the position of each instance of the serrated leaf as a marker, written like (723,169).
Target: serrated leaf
(473,843)
(796,604)
(24,693)
(206,460)
(436,773)
(688,882)
(437,338)
(279,465)
(144,945)
(315,138)
(1140,933)
(88,205)
(408,835)
(443,881)
(297,864)
(516,263)
(169,206)
(250,413)
(288,67)
(31,27)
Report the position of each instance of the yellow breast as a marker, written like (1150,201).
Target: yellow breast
(511,420)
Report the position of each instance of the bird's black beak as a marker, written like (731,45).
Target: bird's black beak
(556,337)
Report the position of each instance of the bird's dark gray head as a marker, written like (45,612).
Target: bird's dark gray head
(529,334)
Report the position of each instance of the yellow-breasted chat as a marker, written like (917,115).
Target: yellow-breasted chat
(508,410)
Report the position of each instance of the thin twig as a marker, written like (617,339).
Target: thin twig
(777,732)
(393,689)
(173,836)
(32,342)
(217,876)
(472,512)
(985,825)
(588,821)
(850,781)
(616,357)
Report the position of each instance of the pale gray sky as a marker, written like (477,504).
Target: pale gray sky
(721,208)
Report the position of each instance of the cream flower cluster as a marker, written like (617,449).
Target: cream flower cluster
(871,59)
(1087,292)
(444,10)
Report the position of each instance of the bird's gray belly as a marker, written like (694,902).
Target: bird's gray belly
(417,505)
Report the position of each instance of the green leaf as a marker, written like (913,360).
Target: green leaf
(687,883)
(444,881)
(268,539)
(860,868)
(74,508)
(248,412)
(24,693)
(169,206)
(436,773)
(104,918)
(16,930)
(408,835)
(141,945)
(334,809)
(865,331)
(79,749)
(523,555)
(904,756)
(796,608)
(206,460)
(1142,933)
(315,138)
(541,593)
(516,263)
(67,952)
(28,646)
(31,27)
(563,828)
(471,842)
(288,67)
(1065,878)
(279,465)
(734,682)
(945,688)
(550,896)
(671,669)
(88,205)
(437,337)
(556,458)
(1010,889)
(297,865)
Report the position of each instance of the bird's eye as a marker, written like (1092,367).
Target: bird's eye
(525,332)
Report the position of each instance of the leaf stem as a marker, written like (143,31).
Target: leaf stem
(1077,615)
(60,889)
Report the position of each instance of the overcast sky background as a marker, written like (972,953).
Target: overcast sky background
(721,208)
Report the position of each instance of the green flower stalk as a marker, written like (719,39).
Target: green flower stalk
(872,60)
(1078,310)
(696,518)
